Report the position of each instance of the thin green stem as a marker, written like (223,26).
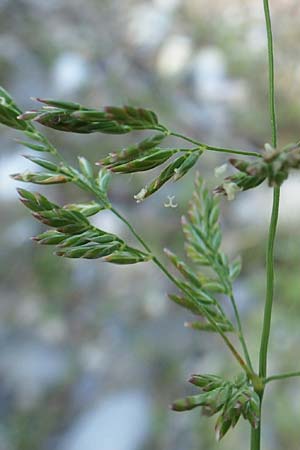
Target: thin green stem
(270,286)
(275,208)
(215,149)
(240,331)
(136,235)
(282,376)
(256,433)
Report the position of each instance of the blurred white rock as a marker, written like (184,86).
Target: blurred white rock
(122,421)
(155,304)
(29,311)
(254,206)
(69,73)
(11,163)
(209,71)
(210,81)
(255,38)
(174,55)
(18,233)
(107,222)
(92,357)
(289,204)
(53,330)
(167,5)
(30,367)
(147,25)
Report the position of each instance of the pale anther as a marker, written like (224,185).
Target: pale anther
(170,203)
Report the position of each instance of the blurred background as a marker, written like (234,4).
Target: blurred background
(92,354)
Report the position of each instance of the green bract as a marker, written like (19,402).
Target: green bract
(74,236)
(76,118)
(203,239)
(274,166)
(231,399)
(9,112)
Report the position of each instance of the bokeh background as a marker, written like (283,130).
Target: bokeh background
(92,354)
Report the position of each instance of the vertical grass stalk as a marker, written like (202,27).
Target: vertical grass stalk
(256,433)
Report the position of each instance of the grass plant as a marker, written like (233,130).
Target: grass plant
(208,272)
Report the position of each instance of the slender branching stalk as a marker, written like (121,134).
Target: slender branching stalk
(282,376)
(240,332)
(232,151)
